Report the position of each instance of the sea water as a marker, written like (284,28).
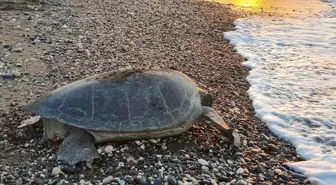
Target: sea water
(293,83)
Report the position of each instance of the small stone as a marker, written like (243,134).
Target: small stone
(36,41)
(205,168)
(16,73)
(272,147)
(122,182)
(205,182)
(194,181)
(176,160)
(38,181)
(171,181)
(240,171)
(82,182)
(142,146)
(277,171)
(88,164)
(120,164)
(229,162)
(99,150)
(108,149)
(153,141)
(157,182)
(56,171)
(107,180)
(188,176)
(284,176)
(213,182)
(260,169)
(116,179)
(269,174)
(131,159)
(203,162)
(6,46)
(19,181)
(266,183)
(129,179)
(143,180)
(312,181)
(180,183)
(80,45)
(81,176)
(265,137)
(242,182)
(223,179)
(17,49)
(32,59)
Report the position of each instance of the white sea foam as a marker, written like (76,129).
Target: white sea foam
(293,84)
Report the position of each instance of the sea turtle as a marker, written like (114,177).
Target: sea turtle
(123,105)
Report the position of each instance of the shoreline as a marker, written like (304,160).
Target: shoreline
(72,40)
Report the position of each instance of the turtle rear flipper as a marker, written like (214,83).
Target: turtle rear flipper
(77,146)
(219,123)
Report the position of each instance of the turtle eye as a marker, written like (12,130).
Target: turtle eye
(206,98)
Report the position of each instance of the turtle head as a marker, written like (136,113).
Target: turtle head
(206,98)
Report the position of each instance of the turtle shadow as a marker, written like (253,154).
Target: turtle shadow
(23,5)
(6,5)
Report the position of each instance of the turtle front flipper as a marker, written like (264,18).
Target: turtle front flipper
(219,123)
(77,146)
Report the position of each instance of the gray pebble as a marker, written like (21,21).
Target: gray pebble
(213,181)
(194,181)
(260,169)
(38,181)
(205,168)
(143,180)
(129,179)
(56,171)
(277,171)
(19,181)
(16,73)
(242,182)
(157,182)
(272,147)
(107,180)
(172,181)
(240,171)
(203,162)
(17,49)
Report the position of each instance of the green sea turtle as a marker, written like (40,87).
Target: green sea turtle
(123,105)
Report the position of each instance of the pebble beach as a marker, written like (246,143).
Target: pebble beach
(47,44)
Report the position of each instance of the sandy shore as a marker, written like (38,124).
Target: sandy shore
(46,45)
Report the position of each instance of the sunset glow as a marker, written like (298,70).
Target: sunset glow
(277,6)
(249,3)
